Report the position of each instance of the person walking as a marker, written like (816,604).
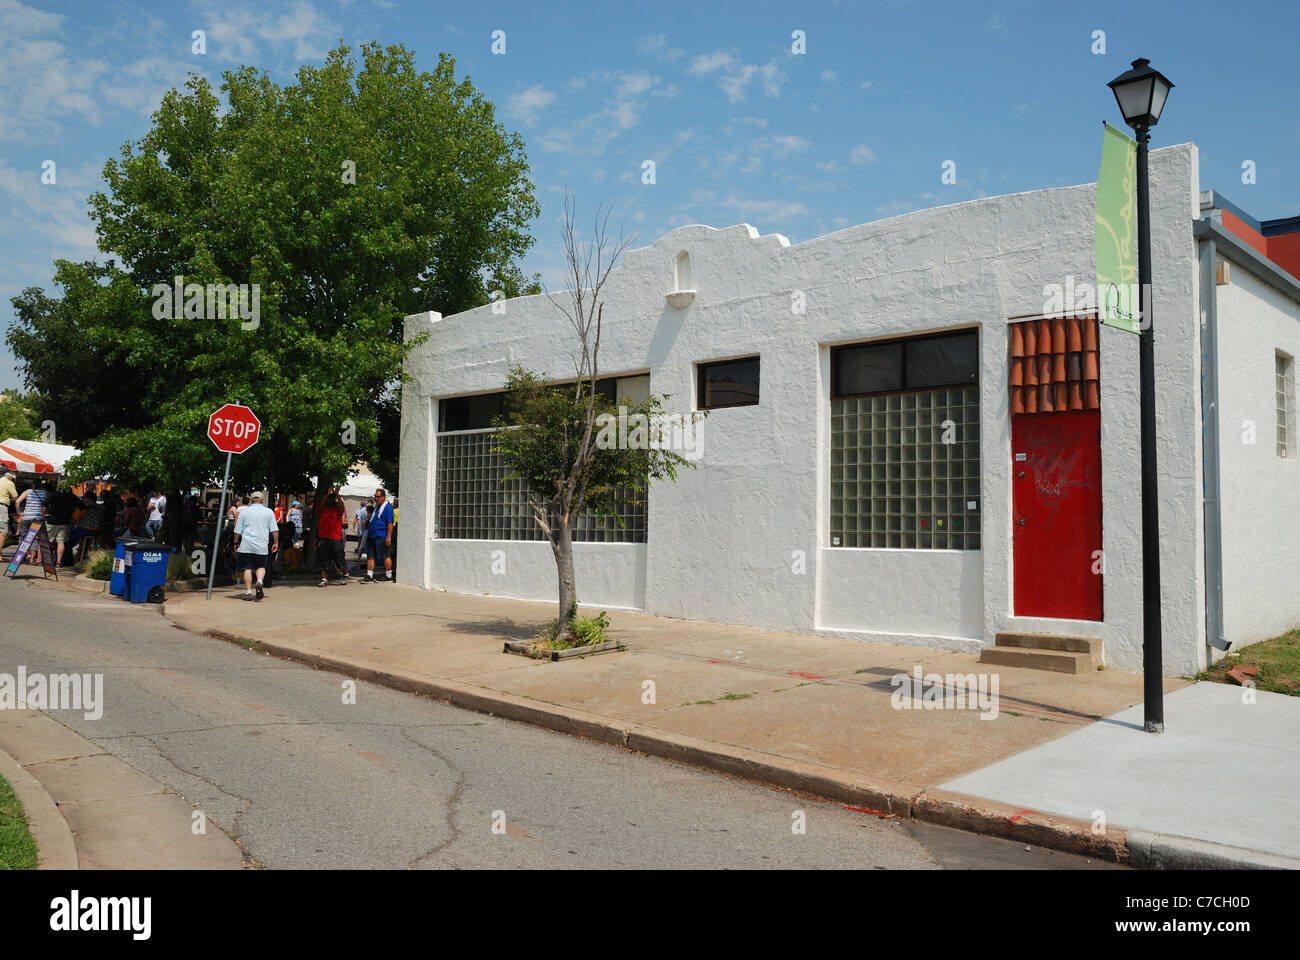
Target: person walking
(361,527)
(379,536)
(256,537)
(8,494)
(331,520)
(59,507)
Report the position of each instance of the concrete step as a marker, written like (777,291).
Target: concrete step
(1057,661)
(1048,641)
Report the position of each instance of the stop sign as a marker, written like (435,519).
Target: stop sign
(233,428)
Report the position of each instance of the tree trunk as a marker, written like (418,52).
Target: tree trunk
(562,545)
(174,520)
(313,539)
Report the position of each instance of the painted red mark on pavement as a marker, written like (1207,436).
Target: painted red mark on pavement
(863,810)
(806,676)
(1019,815)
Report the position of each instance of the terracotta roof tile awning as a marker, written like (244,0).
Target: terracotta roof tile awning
(1054,365)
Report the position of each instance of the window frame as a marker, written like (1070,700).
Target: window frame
(1285,406)
(701,371)
(835,393)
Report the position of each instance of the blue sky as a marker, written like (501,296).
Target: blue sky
(740,128)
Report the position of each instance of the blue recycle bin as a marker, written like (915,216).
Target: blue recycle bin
(147,571)
(118,579)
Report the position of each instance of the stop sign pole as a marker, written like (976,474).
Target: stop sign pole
(232,429)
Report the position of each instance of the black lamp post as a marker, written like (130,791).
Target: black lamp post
(1141,93)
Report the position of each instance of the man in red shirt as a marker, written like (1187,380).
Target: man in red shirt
(331,517)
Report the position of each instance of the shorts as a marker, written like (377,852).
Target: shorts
(58,532)
(331,551)
(4,518)
(250,561)
(378,549)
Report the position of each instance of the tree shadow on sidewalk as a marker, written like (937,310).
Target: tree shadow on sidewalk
(500,627)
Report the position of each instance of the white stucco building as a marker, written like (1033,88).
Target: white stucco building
(906,442)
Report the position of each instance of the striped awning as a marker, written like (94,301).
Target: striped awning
(1054,365)
(20,461)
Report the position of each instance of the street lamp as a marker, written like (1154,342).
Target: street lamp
(1141,93)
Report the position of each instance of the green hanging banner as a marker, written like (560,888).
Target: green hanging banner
(1117,279)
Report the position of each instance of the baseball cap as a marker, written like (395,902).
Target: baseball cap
(255,496)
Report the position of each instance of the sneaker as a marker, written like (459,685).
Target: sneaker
(323,583)
(344,581)
(258,587)
(367,579)
(248,596)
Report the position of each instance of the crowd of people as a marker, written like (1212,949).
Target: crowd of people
(260,537)
(256,538)
(76,523)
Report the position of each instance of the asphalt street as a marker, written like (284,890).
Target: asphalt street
(274,756)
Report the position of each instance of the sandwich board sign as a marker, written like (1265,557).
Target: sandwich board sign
(36,536)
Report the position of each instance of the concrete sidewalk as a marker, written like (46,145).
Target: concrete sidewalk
(89,810)
(807,713)
(1226,771)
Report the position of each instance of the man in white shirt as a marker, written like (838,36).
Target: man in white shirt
(256,536)
(157,510)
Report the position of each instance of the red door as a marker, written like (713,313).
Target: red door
(1056,514)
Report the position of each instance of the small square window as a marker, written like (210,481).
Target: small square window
(730,383)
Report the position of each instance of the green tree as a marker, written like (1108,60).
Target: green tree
(561,439)
(356,195)
(18,416)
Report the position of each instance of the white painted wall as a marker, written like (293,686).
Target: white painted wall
(723,540)
(1260,491)
(611,574)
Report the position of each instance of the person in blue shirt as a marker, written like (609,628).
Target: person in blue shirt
(380,537)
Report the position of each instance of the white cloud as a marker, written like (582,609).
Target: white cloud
(829,76)
(862,155)
(635,83)
(864,85)
(786,144)
(830,166)
(237,33)
(708,62)
(55,212)
(526,105)
(776,210)
(656,45)
(651,43)
(996,25)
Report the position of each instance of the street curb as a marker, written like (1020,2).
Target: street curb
(886,798)
(55,849)
(83,582)
(1158,851)
(978,815)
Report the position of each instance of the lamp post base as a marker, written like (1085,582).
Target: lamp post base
(1154,726)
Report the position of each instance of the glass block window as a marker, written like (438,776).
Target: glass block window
(475,501)
(1284,380)
(905,455)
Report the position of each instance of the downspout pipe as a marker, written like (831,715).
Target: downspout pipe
(1212,513)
